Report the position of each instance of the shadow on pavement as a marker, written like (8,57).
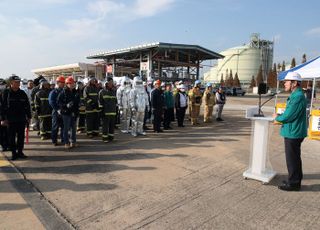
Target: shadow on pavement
(48,185)
(79,169)
(94,157)
(12,207)
(304,188)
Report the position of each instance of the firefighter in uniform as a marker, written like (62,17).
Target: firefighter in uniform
(108,105)
(90,96)
(15,114)
(43,109)
(82,109)
(4,141)
(209,102)
(35,90)
(195,100)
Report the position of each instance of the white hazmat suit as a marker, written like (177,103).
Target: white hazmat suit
(139,102)
(123,98)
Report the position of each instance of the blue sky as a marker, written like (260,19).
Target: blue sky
(42,33)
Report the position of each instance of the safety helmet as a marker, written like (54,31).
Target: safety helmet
(92,78)
(2,81)
(209,84)
(43,82)
(182,86)
(79,82)
(157,82)
(109,79)
(125,81)
(61,79)
(69,80)
(293,76)
(197,82)
(137,82)
(24,81)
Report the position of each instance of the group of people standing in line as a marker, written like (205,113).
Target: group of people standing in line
(97,108)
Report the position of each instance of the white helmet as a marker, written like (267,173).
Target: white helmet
(85,81)
(292,76)
(126,82)
(137,82)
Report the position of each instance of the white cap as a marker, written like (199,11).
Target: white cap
(182,86)
(292,76)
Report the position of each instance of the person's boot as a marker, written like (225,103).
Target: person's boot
(22,156)
(289,187)
(14,156)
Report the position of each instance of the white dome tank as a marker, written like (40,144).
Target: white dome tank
(244,60)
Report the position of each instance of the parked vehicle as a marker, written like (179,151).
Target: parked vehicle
(238,91)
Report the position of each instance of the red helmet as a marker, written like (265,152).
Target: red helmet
(69,80)
(157,82)
(61,79)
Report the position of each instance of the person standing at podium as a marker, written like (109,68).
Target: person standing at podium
(294,130)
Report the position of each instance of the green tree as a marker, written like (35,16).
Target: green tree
(252,83)
(222,80)
(230,79)
(293,63)
(259,76)
(283,67)
(304,58)
(226,77)
(236,81)
(270,78)
(279,67)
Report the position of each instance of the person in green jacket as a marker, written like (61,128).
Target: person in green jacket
(294,130)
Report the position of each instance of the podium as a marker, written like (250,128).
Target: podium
(259,167)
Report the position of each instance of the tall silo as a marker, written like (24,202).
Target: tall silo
(244,60)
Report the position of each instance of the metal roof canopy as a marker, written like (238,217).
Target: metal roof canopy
(75,69)
(161,55)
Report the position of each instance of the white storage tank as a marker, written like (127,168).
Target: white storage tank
(244,60)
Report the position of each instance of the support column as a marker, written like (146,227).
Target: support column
(198,69)
(159,70)
(113,66)
(150,64)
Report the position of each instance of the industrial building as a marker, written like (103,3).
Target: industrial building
(77,70)
(165,61)
(244,60)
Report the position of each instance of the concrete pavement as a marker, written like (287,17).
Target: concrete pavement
(186,178)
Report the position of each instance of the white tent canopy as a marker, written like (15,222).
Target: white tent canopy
(308,70)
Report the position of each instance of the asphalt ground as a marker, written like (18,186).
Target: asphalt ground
(185,178)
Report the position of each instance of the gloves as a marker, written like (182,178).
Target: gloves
(70,105)
(59,112)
